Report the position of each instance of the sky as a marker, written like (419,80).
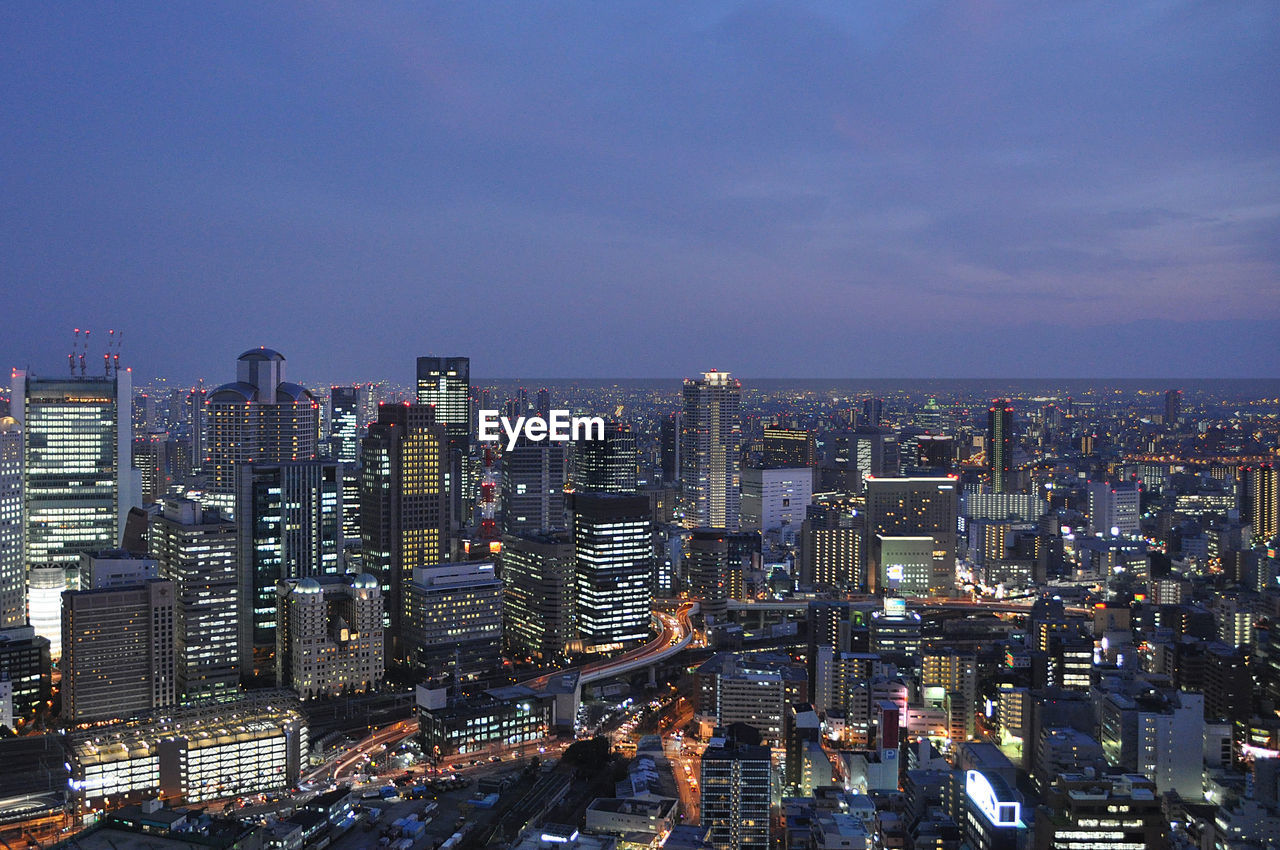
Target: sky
(635,189)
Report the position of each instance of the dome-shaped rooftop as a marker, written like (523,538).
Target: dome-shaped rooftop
(307,585)
(289,391)
(236,391)
(364,581)
(261,353)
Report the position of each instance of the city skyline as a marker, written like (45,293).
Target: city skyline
(1074,192)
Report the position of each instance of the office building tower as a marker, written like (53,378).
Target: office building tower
(539,584)
(934,455)
(288,526)
(25,662)
(832,549)
(774,499)
(1000,445)
(151,459)
(669,438)
(118,650)
(713,576)
(993,813)
(445,383)
(864,452)
(544,403)
(1172,407)
(77,440)
(13,568)
(872,411)
(259,418)
(144,413)
(734,791)
(1103,812)
(1158,734)
(453,620)
(608,465)
(195,549)
(44,604)
(330,637)
(1115,509)
(345,431)
(789,447)
(114,568)
(895,630)
(613,553)
(913,508)
(404,504)
(755,690)
(1262,492)
(533,482)
(711,442)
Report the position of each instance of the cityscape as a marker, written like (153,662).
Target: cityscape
(735,425)
(1023,614)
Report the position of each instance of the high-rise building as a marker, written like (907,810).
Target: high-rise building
(259,418)
(330,637)
(608,465)
(404,508)
(533,482)
(445,383)
(912,508)
(197,419)
(832,548)
(25,662)
(195,549)
(289,526)
(77,439)
(453,619)
(714,577)
(1263,501)
(13,572)
(1000,445)
(711,442)
(773,499)
(1172,407)
(613,552)
(118,650)
(544,403)
(789,447)
(538,578)
(345,431)
(669,440)
(949,680)
(151,459)
(735,795)
(872,411)
(1101,812)
(1115,509)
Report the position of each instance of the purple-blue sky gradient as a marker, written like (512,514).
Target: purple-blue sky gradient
(646,189)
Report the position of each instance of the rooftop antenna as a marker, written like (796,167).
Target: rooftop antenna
(71,358)
(84,351)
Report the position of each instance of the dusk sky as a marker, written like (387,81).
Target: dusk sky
(944,189)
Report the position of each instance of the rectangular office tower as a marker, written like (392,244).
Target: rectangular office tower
(453,620)
(1000,445)
(613,552)
(118,650)
(13,571)
(711,441)
(901,511)
(345,430)
(608,465)
(404,507)
(196,550)
(533,479)
(289,525)
(735,789)
(445,384)
(78,460)
(538,593)
(330,638)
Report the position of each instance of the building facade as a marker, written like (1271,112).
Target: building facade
(710,445)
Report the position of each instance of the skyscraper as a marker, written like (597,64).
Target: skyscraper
(533,479)
(613,550)
(13,573)
(453,620)
(735,795)
(669,437)
(872,411)
(1172,407)
(404,509)
(196,550)
(1000,445)
(714,576)
(538,594)
(711,441)
(445,383)
(345,428)
(330,639)
(289,525)
(832,549)
(608,465)
(151,459)
(791,447)
(908,509)
(77,440)
(260,418)
(1263,495)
